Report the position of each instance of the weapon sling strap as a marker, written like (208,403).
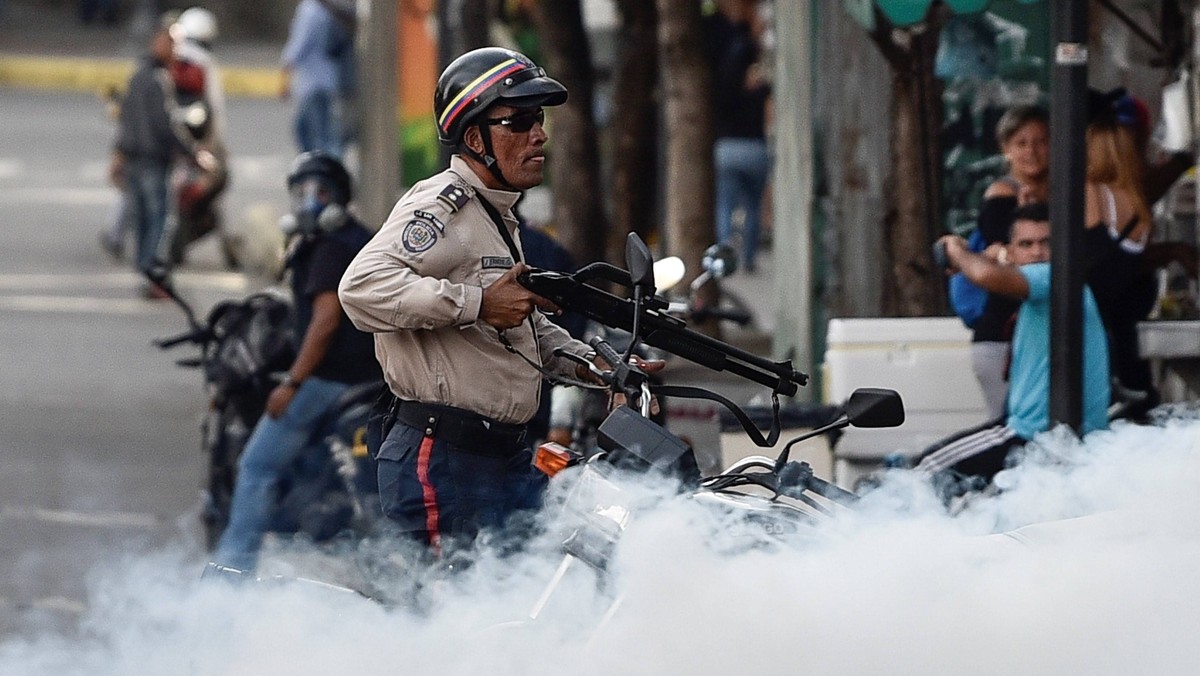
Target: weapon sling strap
(687,392)
(516,256)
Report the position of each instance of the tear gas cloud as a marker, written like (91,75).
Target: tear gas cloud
(1085,563)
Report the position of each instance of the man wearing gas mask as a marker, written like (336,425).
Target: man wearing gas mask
(331,355)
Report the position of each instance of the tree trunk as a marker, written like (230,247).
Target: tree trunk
(912,219)
(634,128)
(686,87)
(573,150)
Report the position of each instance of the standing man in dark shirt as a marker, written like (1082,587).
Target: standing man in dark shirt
(740,93)
(331,356)
(145,147)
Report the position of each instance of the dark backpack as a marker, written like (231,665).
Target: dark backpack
(967,299)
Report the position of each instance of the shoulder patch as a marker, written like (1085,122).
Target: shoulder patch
(456,195)
(419,235)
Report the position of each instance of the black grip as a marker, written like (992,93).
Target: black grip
(832,492)
(606,351)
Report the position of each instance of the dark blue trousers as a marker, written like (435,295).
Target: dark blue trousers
(444,495)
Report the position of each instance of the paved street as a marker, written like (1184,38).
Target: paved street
(99,431)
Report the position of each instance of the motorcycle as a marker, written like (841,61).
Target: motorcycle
(719,261)
(772,499)
(245,349)
(196,182)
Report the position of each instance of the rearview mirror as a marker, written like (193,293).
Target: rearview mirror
(640,262)
(720,261)
(875,407)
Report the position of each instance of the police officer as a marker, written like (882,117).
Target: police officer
(453,328)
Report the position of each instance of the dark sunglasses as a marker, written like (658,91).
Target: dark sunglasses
(519,123)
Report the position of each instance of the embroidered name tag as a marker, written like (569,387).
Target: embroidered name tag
(491,262)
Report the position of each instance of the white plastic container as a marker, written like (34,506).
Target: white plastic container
(927,360)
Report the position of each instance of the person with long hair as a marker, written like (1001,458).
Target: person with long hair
(1119,227)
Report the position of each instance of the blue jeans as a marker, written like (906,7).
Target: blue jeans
(316,124)
(272,448)
(742,166)
(146,195)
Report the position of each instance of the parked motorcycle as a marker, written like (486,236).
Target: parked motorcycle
(245,349)
(772,498)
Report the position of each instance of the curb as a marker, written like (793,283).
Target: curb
(99,75)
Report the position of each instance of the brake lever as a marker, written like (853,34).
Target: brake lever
(605,376)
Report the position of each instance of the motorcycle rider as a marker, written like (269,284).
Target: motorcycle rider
(199,181)
(194,32)
(331,354)
(453,327)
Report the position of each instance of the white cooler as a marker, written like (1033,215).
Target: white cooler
(927,360)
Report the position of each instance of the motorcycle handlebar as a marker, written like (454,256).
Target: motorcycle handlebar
(797,477)
(197,336)
(607,352)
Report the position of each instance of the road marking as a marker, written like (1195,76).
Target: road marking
(221,281)
(92,519)
(20,300)
(11,167)
(88,197)
(78,304)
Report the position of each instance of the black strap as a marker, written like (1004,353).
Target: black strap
(516,256)
(500,225)
(686,392)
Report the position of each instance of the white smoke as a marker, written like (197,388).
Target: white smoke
(1097,574)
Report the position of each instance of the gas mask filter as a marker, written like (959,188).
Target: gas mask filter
(313,208)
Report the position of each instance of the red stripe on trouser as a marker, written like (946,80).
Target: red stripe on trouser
(430,496)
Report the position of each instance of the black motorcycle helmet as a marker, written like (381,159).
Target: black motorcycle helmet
(484,76)
(480,78)
(319,189)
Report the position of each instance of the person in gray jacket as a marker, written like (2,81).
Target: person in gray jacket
(145,147)
(454,330)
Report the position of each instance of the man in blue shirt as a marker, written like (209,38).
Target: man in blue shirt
(1024,275)
(311,76)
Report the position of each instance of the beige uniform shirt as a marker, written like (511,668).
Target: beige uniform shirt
(417,285)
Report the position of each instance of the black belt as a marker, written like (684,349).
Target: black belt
(463,428)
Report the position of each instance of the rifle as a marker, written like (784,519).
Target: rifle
(578,292)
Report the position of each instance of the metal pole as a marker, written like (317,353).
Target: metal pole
(379,174)
(792,196)
(1068,165)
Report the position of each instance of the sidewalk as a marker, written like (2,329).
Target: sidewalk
(49,48)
